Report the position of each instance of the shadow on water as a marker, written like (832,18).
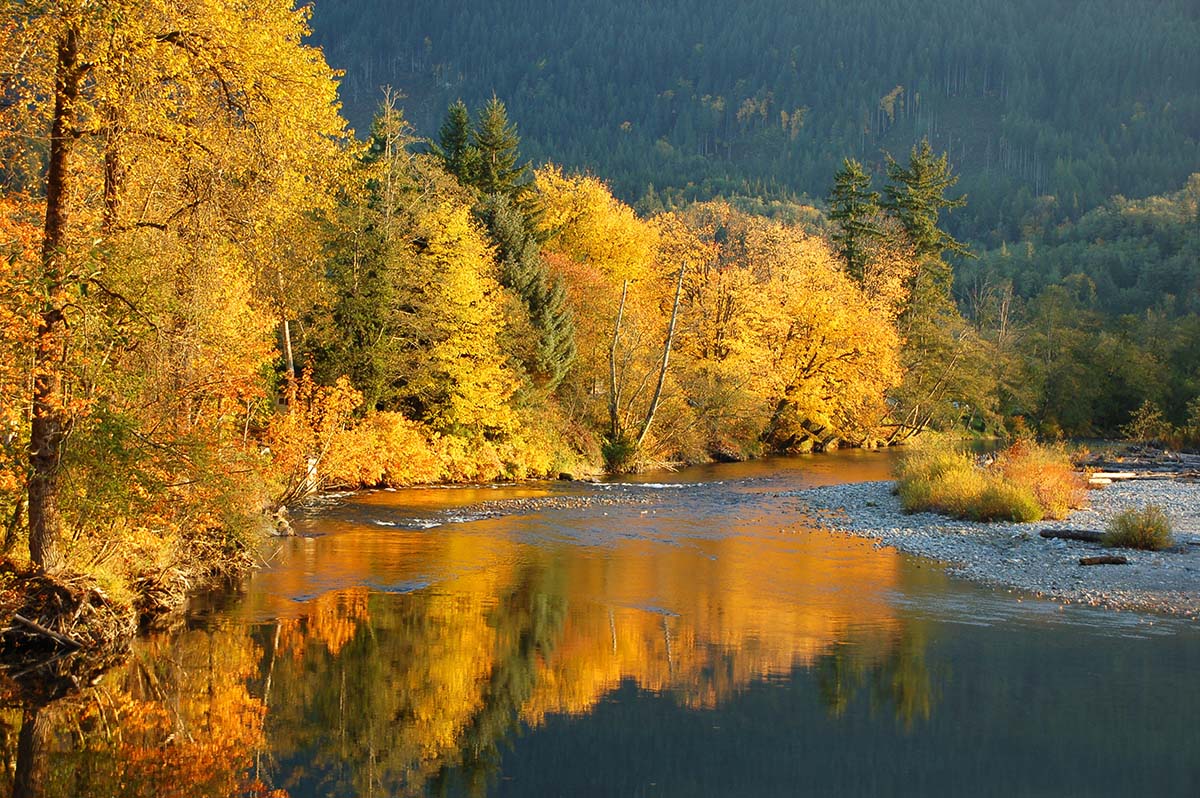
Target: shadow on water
(689,638)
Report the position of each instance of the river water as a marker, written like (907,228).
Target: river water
(682,635)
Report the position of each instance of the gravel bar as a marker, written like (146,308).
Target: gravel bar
(1016,556)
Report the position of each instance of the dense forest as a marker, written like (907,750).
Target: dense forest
(1046,108)
(216,299)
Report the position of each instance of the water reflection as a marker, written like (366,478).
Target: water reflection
(698,644)
(377,693)
(177,719)
(361,692)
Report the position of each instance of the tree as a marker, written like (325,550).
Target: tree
(916,196)
(855,208)
(454,146)
(524,271)
(496,141)
(154,202)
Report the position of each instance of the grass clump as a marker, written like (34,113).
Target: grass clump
(1027,482)
(1147,528)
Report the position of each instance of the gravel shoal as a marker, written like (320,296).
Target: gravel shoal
(1016,556)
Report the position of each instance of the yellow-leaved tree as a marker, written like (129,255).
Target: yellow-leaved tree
(181,135)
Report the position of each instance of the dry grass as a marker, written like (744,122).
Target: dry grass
(1147,528)
(1026,482)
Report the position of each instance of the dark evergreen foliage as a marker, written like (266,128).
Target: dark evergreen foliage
(1032,99)
(523,271)
(855,208)
(454,146)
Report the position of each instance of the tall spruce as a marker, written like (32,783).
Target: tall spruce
(855,208)
(916,196)
(495,139)
(523,271)
(454,147)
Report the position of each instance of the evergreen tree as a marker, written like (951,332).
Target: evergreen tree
(523,271)
(454,146)
(855,208)
(916,196)
(496,141)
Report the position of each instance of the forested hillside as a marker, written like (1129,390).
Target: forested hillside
(1046,108)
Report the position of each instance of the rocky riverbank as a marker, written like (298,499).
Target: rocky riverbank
(1016,556)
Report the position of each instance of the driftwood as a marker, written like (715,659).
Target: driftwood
(1103,559)
(1088,535)
(55,636)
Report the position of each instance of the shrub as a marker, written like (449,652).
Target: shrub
(1047,472)
(1147,423)
(1147,528)
(1027,482)
(1006,501)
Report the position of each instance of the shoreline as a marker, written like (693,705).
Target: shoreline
(1015,556)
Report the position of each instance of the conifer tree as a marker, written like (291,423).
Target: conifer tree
(523,271)
(916,196)
(454,146)
(854,207)
(496,141)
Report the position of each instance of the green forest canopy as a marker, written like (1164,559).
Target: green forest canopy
(1045,108)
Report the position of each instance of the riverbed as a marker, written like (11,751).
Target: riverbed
(689,634)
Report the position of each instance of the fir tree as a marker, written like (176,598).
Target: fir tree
(523,271)
(496,141)
(916,196)
(454,146)
(855,208)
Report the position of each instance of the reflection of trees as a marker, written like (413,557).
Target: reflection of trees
(371,694)
(423,692)
(900,680)
(528,620)
(176,720)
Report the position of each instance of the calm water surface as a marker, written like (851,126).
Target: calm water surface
(680,635)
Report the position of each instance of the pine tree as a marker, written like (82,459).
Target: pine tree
(855,208)
(523,271)
(916,195)
(496,141)
(454,146)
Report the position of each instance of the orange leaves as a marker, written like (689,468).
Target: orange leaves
(300,438)
(19,234)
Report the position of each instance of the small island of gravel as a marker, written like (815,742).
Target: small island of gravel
(1016,556)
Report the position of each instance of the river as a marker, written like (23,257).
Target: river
(684,634)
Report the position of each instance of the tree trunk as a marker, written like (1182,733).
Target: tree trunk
(614,398)
(286,333)
(32,774)
(662,372)
(50,421)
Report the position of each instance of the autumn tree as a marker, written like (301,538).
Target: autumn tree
(154,203)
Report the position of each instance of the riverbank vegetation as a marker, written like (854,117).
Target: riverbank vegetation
(216,300)
(1146,527)
(1025,482)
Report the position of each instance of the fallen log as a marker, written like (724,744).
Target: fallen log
(50,633)
(1087,535)
(1114,475)
(1103,559)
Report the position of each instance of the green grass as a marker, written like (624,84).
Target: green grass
(1147,528)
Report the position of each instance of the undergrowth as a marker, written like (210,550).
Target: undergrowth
(1026,482)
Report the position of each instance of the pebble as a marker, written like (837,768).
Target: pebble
(1015,556)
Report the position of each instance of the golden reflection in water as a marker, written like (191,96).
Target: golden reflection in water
(177,719)
(389,692)
(520,632)
(704,622)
